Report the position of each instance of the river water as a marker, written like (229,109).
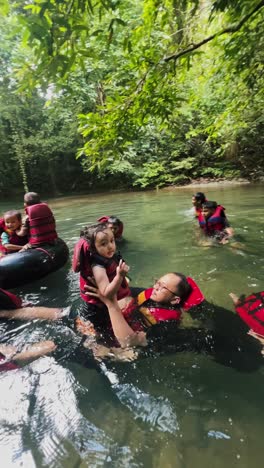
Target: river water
(180,410)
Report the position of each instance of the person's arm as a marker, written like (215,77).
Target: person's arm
(31,313)
(35,351)
(230,231)
(7,245)
(102,281)
(13,247)
(124,334)
(122,330)
(24,229)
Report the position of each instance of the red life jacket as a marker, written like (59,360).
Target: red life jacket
(2,225)
(251,310)
(8,300)
(6,365)
(118,234)
(197,212)
(150,314)
(42,227)
(82,260)
(216,222)
(15,240)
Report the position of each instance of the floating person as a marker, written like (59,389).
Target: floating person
(214,223)
(197,200)
(95,257)
(11,239)
(39,223)
(115,224)
(47,253)
(170,296)
(220,334)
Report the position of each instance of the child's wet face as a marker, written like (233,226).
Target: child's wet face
(105,243)
(12,223)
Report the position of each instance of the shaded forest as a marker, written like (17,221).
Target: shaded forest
(118,94)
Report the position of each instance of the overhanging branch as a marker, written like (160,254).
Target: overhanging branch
(229,30)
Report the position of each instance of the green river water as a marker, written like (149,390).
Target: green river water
(179,410)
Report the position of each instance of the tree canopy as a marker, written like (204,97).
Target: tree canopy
(145,93)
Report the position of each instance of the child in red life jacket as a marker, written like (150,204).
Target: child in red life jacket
(214,223)
(11,238)
(95,257)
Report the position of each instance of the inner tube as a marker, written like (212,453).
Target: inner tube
(24,267)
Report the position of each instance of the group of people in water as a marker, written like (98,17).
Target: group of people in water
(115,315)
(212,219)
(35,229)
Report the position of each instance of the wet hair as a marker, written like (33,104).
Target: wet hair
(31,198)
(90,232)
(199,196)
(15,213)
(211,205)
(184,289)
(114,220)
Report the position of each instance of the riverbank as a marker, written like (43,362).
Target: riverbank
(203,182)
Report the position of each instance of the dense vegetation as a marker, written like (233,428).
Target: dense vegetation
(144,93)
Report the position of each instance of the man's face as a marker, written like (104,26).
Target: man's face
(165,289)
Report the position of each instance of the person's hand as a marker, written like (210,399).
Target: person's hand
(26,247)
(122,269)
(94,292)
(224,241)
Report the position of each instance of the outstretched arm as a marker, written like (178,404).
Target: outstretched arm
(106,288)
(31,313)
(29,353)
(122,330)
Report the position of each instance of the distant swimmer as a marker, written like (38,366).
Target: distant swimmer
(115,224)
(197,200)
(214,223)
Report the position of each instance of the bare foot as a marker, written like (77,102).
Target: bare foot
(8,351)
(85,327)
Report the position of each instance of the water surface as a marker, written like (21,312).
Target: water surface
(178,410)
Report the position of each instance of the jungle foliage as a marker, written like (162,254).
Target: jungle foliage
(145,94)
